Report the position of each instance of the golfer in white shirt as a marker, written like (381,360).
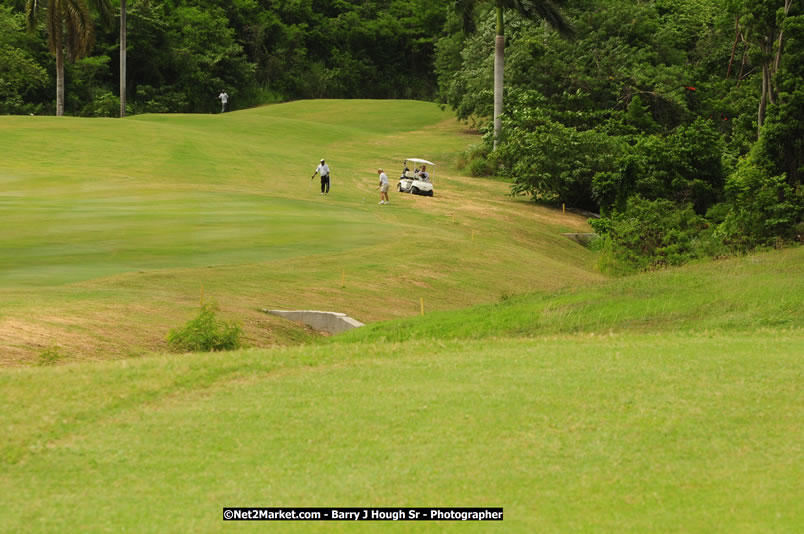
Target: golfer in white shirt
(323,171)
(384,185)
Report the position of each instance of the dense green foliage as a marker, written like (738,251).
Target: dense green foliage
(181,53)
(661,99)
(653,233)
(22,74)
(206,333)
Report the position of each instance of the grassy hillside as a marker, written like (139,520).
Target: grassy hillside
(619,427)
(739,294)
(112,227)
(664,402)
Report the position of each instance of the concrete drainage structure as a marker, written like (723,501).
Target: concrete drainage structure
(323,321)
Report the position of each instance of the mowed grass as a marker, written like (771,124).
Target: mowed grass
(110,228)
(623,433)
(615,427)
(664,402)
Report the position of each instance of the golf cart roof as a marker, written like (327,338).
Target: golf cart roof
(417,160)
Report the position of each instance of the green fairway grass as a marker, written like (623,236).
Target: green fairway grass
(662,402)
(621,433)
(644,417)
(112,227)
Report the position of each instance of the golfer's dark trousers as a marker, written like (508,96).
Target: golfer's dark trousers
(325,184)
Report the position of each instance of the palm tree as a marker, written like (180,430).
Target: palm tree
(531,10)
(69,28)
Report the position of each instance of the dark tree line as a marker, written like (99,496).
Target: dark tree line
(689,110)
(181,53)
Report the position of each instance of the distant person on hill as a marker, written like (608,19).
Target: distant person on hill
(384,185)
(323,171)
(224,98)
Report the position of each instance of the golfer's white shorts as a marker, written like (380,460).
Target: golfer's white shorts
(384,188)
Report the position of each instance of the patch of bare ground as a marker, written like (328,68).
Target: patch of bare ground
(114,332)
(22,339)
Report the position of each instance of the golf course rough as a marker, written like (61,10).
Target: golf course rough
(109,240)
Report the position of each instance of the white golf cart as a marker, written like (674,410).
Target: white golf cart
(417,181)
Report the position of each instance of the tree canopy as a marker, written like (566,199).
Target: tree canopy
(690,101)
(180,53)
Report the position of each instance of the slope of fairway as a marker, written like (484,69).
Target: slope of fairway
(100,197)
(673,428)
(765,291)
(112,229)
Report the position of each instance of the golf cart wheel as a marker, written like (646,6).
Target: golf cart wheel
(414,190)
(399,188)
(429,193)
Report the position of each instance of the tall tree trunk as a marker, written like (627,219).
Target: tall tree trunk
(778,59)
(499,61)
(770,64)
(122,58)
(742,62)
(59,80)
(734,46)
(763,99)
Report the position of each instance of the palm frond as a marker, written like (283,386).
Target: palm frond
(54,26)
(105,11)
(33,10)
(546,10)
(80,33)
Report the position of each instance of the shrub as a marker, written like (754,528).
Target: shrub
(103,104)
(51,356)
(151,100)
(206,333)
(764,208)
(556,163)
(479,167)
(474,160)
(710,243)
(651,234)
(684,167)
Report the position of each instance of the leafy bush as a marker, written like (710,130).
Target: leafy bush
(651,234)
(103,104)
(556,163)
(711,243)
(764,208)
(152,100)
(206,333)
(684,166)
(479,167)
(474,160)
